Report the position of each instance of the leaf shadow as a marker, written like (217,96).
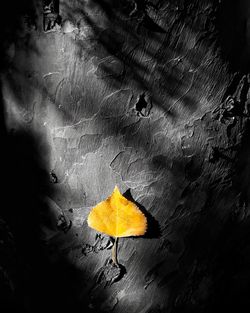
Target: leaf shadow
(153,230)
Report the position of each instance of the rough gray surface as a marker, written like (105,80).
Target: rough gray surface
(139,95)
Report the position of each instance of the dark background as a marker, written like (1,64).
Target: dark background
(186,65)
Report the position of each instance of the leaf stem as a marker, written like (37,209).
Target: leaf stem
(114,252)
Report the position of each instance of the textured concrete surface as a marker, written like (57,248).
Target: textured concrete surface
(147,96)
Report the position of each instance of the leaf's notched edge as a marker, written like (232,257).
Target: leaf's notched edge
(110,204)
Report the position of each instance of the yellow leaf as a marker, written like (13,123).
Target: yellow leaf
(117,217)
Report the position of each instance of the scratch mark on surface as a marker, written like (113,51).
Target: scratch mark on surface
(185,93)
(50,73)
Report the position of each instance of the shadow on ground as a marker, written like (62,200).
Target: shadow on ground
(213,272)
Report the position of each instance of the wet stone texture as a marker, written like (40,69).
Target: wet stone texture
(152,97)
